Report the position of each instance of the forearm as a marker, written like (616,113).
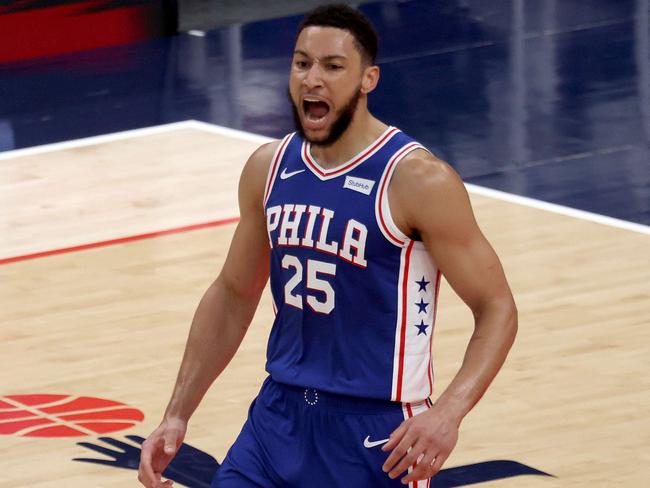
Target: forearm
(217,330)
(494,333)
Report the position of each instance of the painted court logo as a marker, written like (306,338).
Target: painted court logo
(44,415)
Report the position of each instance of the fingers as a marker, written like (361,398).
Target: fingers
(437,465)
(411,456)
(395,437)
(400,450)
(146,475)
(423,470)
(427,467)
(171,441)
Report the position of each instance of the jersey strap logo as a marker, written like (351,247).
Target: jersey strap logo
(368,444)
(359,184)
(284,175)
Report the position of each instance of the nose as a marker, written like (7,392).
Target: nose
(313,77)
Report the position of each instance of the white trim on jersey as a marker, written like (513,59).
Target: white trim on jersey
(382,208)
(275,166)
(416,307)
(273,305)
(326,174)
(410,410)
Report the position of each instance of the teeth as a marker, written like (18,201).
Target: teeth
(311,100)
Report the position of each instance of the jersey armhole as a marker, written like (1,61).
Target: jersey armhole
(275,166)
(382,206)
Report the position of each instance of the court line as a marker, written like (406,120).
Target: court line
(89,141)
(558,209)
(249,136)
(121,240)
(130,134)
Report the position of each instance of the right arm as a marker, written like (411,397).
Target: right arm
(220,321)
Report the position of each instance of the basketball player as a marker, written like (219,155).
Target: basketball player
(353,221)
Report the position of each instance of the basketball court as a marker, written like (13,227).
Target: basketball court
(110,320)
(107,243)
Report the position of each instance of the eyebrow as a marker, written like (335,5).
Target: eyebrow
(324,58)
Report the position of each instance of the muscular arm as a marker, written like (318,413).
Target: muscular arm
(220,321)
(429,198)
(227,307)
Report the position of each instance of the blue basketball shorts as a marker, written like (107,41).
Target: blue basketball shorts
(305,438)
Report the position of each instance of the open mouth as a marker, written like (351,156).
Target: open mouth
(315,110)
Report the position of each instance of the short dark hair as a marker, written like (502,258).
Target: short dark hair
(347,18)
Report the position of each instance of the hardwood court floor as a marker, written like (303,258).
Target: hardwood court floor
(111,321)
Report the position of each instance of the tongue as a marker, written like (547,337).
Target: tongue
(318,109)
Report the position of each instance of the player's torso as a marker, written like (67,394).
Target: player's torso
(351,317)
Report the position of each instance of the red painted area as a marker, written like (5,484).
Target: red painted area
(105,427)
(121,240)
(30,400)
(15,414)
(78,416)
(81,403)
(73,27)
(115,414)
(7,428)
(56,431)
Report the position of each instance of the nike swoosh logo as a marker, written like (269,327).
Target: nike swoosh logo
(367,443)
(284,175)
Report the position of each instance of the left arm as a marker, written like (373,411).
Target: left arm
(429,198)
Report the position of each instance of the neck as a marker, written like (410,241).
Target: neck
(363,130)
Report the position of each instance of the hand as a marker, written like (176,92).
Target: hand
(426,439)
(158,451)
(191,467)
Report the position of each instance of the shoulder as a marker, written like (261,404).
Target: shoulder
(421,171)
(427,192)
(253,177)
(258,164)
(260,160)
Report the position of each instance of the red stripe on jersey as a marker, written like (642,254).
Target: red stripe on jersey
(409,410)
(433,323)
(402,337)
(395,159)
(410,413)
(274,168)
(355,161)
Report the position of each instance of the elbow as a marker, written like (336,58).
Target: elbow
(512,321)
(508,321)
(502,316)
(239,291)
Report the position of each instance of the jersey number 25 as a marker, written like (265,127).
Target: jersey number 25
(313,282)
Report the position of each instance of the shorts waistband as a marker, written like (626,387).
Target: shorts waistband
(314,397)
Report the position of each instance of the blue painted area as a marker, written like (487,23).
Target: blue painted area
(548,99)
(194,468)
(190,467)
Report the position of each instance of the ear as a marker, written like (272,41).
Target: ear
(370,79)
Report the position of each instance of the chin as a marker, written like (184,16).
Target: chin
(315,136)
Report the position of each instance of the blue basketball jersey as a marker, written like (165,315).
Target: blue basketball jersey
(355,298)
